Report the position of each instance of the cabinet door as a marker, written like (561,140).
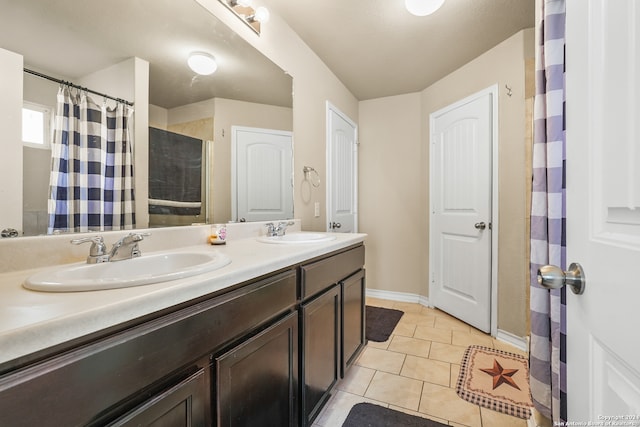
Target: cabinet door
(353,328)
(257,381)
(321,351)
(181,405)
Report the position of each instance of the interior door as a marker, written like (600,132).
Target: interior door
(342,165)
(460,221)
(262,174)
(603,209)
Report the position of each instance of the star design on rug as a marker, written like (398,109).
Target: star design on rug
(501,375)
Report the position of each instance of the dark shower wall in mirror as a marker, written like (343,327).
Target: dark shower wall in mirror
(177,181)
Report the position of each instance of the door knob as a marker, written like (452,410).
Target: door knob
(480,225)
(336,225)
(552,277)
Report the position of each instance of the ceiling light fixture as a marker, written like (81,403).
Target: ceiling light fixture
(202,63)
(423,7)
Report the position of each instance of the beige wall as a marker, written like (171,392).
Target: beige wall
(389,185)
(394,195)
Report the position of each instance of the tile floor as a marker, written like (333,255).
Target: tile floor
(415,371)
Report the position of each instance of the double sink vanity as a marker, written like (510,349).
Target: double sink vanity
(256,333)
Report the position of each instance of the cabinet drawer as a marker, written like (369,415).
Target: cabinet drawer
(320,275)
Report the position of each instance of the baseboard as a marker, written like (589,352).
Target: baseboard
(398,296)
(521,343)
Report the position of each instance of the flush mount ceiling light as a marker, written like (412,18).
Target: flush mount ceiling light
(423,7)
(202,63)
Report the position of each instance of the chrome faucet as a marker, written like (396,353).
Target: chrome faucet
(277,230)
(98,250)
(127,247)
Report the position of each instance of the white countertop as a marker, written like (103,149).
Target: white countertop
(31,321)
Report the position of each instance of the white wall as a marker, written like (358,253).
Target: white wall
(11,65)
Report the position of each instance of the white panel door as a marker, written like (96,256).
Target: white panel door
(603,210)
(460,221)
(342,163)
(262,167)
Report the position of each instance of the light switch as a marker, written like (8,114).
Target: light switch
(317,209)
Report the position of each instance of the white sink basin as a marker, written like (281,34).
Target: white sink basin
(298,238)
(144,270)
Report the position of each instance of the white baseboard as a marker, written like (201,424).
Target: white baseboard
(521,343)
(398,296)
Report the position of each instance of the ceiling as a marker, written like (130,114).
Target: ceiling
(68,39)
(376,48)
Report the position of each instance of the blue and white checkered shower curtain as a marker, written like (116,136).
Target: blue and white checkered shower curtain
(91,182)
(548,217)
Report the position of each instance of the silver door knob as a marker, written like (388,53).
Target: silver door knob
(480,225)
(552,277)
(336,225)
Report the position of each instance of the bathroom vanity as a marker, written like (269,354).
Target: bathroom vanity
(262,341)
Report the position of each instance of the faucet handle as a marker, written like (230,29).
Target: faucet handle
(98,250)
(98,247)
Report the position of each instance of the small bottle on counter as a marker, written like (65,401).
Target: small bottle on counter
(218,235)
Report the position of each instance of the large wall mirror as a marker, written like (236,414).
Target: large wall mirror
(75,40)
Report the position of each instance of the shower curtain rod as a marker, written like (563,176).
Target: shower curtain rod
(53,79)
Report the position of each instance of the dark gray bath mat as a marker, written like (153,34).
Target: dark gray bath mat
(381,322)
(369,415)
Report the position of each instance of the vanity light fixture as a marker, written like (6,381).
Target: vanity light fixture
(262,15)
(246,13)
(202,63)
(423,7)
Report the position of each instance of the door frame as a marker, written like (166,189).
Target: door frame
(332,108)
(493,193)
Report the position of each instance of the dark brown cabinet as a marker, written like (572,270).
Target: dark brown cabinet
(320,320)
(332,324)
(257,381)
(267,352)
(353,312)
(182,405)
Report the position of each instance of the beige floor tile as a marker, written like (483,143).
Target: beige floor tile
(466,339)
(357,380)
(338,407)
(395,390)
(418,414)
(433,334)
(446,352)
(433,371)
(443,402)
(404,329)
(455,373)
(448,322)
(382,345)
(408,345)
(381,360)
(498,419)
(418,319)
(407,307)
